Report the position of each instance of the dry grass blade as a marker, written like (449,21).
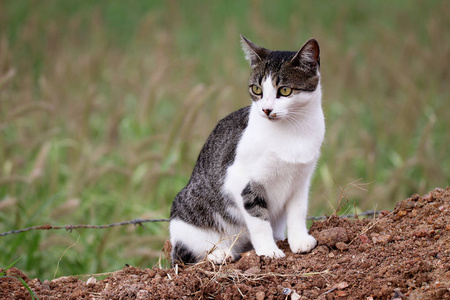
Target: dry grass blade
(62,255)
(239,276)
(7,77)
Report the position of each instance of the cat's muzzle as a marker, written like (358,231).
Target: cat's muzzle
(269,114)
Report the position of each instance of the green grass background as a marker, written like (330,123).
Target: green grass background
(104,106)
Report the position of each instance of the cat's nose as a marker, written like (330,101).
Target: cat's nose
(267,111)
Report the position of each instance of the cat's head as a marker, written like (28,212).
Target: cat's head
(283,83)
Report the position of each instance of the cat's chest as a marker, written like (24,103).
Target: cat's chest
(268,168)
(277,141)
(275,149)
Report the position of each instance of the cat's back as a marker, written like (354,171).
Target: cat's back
(232,124)
(217,154)
(219,150)
(201,198)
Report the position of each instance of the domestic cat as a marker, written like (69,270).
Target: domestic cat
(253,174)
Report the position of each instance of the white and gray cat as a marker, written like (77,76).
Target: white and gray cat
(253,174)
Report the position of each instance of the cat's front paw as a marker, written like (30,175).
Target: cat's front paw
(272,253)
(219,256)
(303,244)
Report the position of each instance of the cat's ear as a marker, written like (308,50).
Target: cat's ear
(253,53)
(309,54)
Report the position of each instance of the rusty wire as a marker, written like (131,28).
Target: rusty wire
(140,221)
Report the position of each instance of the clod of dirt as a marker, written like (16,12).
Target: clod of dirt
(401,254)
(248,260)
(332,236)
(342,246)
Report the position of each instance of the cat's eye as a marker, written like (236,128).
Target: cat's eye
(256,90)
(284,91)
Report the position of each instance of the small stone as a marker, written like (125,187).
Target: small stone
(291,258)
(295,296)
(59,279)
(260,296)
(423,231)
(447,275)
(409,205)
(248,260)
(383,213)
(46,285)
(402,213)
(322,249)
(428,197)
(36,282)
(331,255)
(364,239)
(341,294)
(143,295)
(91,281)
(439,190)
(415,197)
(363,247)
(341,285)
(253,270)
(380,238)
(398,294)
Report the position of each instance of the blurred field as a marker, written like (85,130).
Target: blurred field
(105,105)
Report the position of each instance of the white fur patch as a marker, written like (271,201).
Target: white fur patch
(280,154)
(269,95)
(208,243)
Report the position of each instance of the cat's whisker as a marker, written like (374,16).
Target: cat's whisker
(292,121)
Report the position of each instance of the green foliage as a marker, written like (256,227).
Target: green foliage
(4,272)
(104,106)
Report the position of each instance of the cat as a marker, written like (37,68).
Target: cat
(253,174)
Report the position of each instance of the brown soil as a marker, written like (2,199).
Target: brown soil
(398,255)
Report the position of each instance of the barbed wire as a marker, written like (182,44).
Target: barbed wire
(71,227)
(141,221)
(370,213)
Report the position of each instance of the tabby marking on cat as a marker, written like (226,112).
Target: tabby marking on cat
(252,176)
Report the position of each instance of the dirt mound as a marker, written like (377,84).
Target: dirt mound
(399,254)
